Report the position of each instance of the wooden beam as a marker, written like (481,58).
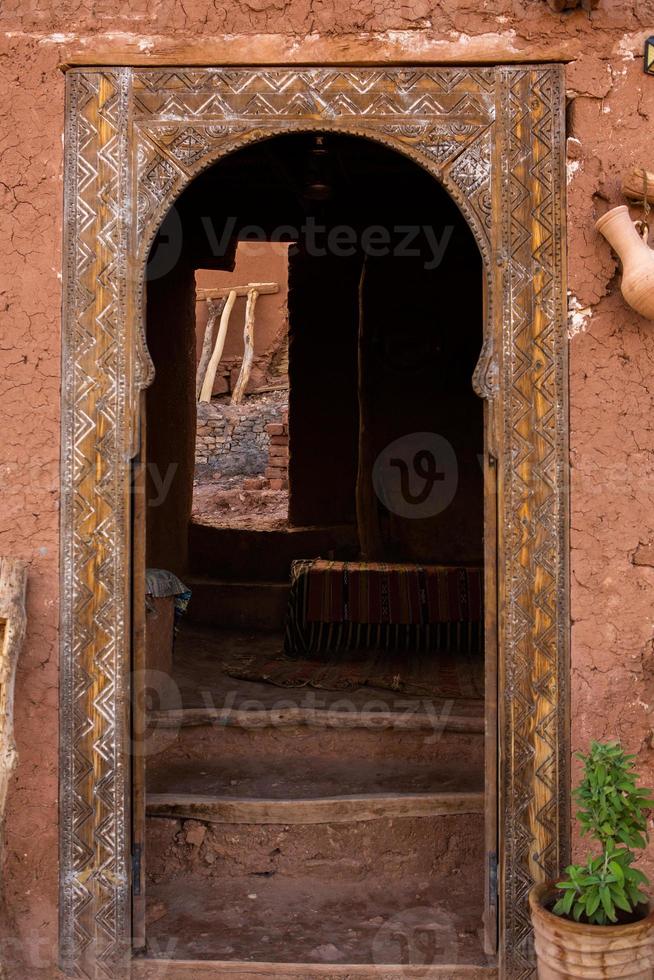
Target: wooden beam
(409,47)
(263,288)
(149,969)
(638,182)
(215,310)
(336,809)
(207,385)
(439,721)
(248,349)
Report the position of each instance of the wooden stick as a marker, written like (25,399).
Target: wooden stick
(633,185)
(263,288)
(214,309)
(207,385)
(248,351)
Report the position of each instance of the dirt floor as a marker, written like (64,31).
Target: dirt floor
(401,890)
(422,920)
(200,681)
(218,506)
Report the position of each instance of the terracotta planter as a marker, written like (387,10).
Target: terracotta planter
(572,949)
(636,256)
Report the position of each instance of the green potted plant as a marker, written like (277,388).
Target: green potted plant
(597,921)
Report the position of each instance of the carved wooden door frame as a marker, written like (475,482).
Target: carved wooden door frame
(135,137)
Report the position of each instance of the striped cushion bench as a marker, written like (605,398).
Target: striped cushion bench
(337,606)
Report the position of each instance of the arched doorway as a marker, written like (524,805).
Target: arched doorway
(384,535)
(135,137)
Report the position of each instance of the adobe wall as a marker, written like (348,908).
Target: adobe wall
(255,262)
(612,349)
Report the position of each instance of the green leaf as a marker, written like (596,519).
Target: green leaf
(558,908)
(592,903)
(567,902)
(617,870)
(607,903)
(621,901)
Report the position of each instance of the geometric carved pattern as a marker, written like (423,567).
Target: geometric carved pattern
(494,138)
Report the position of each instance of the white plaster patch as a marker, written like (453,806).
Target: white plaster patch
(571,168)
(58,38)
(578,316)
(629,46)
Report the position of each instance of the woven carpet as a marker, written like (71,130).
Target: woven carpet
(448,675)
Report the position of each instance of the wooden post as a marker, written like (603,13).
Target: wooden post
(207,385)
(214,309)
(13,581)
(367,506)
(263,288)
(248,351)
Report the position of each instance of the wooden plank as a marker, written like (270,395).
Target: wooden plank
(160,969)
(336,809)
(637,183)
(263,288)
(318,718)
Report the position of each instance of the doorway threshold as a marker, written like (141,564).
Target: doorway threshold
(148,969)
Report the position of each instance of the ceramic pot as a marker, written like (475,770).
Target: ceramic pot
(565,948)
(636,256)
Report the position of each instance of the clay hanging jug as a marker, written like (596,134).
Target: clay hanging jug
(636,256)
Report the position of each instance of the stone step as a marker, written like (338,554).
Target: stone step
(311,790)
(423,735)
(238,605)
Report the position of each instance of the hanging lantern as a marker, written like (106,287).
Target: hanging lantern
(649,55)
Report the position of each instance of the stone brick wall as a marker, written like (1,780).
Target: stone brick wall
(277,469)
(235,441)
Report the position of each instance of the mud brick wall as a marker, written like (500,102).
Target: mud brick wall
(611,108)
(235,440)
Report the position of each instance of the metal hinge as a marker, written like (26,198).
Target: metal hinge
(136,869)
(492,879)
